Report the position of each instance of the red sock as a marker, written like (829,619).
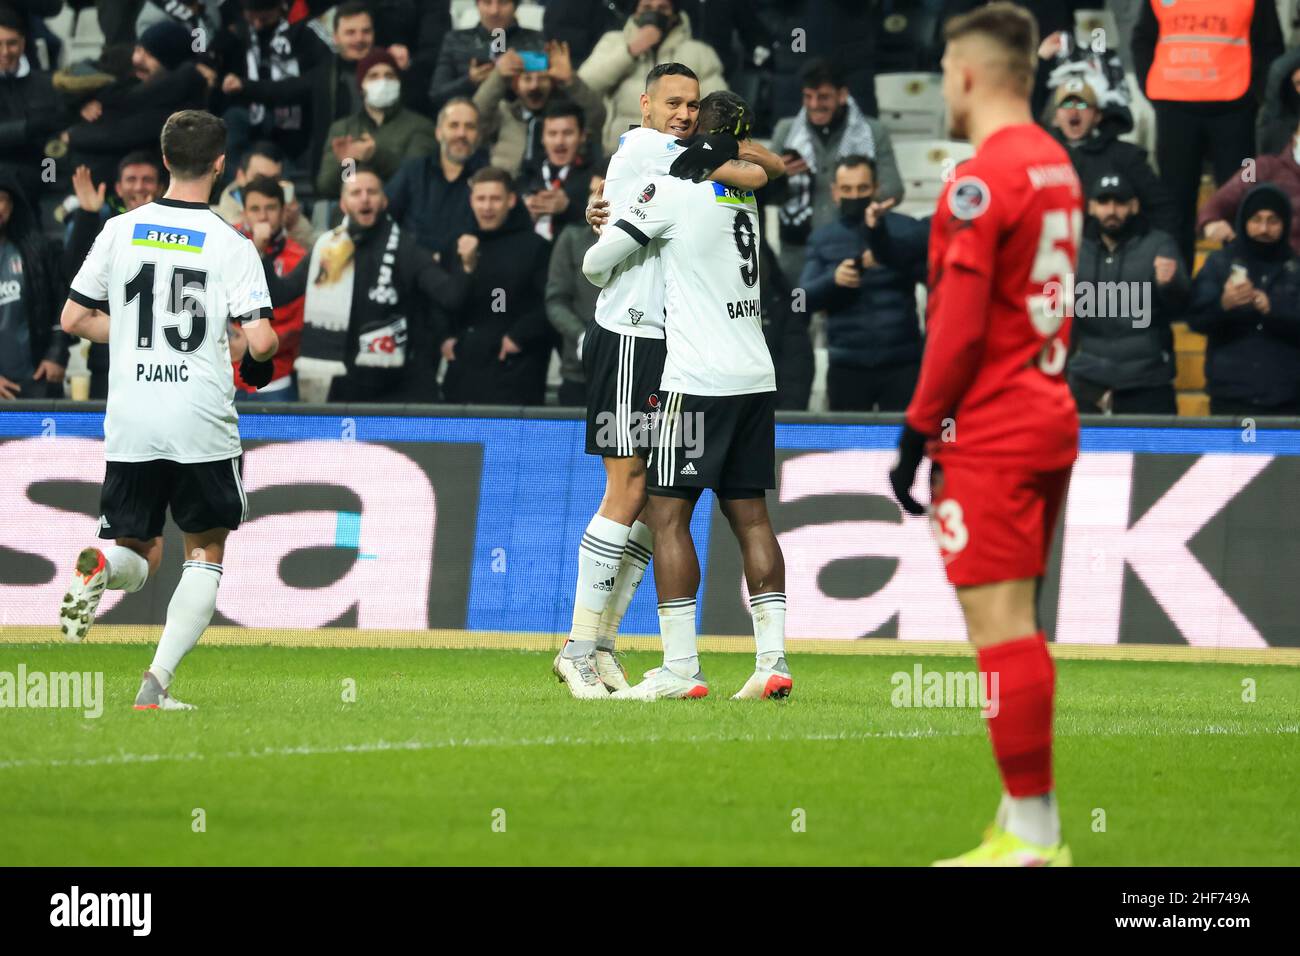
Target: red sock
(1021,683)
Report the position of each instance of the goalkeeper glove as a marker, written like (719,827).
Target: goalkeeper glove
(911,449)
(255,373)
(703,155)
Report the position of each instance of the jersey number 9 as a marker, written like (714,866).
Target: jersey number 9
(743,231)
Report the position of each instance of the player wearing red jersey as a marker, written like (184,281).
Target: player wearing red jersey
(992,408)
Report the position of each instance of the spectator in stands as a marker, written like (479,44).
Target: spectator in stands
(1095,148)
(366,328)
(841,32)
(127,116)
(656,33)
(430,196)
(30,111)
(1280,114)
(571,299)
(139,181)
(1206,109)
(263,222)
(830,125)
(556,186)
(268,48)
(193,15)
(384,133)
(1122,360)
(1246,300)
(327,89)
(498,343)
(1217,215)
(580,23)
(512,127)
(117,20)
(467,56)
(872,331)
(264,159)
(33,348)
(1102,71)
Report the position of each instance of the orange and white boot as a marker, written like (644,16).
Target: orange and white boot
(767,683)
(89,578)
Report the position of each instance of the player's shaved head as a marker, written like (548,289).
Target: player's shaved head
(1000,39)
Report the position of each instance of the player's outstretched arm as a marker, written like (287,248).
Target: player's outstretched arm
(84,322)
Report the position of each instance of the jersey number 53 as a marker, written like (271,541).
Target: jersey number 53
(1050,272)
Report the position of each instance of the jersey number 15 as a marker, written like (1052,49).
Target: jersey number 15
(187,288)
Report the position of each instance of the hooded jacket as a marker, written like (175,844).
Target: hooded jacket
(1113,351)
(1252,357)
(43,290)
(1279,168)
(507,296)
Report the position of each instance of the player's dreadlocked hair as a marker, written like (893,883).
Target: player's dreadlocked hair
(725,112)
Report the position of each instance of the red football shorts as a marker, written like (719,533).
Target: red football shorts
(994,522)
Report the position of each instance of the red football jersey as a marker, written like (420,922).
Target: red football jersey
(1003,249)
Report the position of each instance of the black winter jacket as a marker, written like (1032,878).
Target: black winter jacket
(1251,357)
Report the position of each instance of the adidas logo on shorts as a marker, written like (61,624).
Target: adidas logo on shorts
(689,469)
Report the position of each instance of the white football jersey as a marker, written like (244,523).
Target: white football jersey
(170,275)
(709,253)
(633,301)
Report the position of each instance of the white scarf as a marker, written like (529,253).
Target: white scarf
(282,64)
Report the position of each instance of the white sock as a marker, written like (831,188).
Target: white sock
(1004,807)
(677,627)
(636,557)
(768,612)
(598,559)
(1034,819)
(127,571)
(188,614)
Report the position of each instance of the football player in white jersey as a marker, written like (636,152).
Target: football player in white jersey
(718,427)
(622,356)
(161,285)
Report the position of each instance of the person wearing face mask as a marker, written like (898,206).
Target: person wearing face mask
(1246,300)
(383,133)
(872,329)
(1122,361)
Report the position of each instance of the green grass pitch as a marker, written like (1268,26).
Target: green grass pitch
(480,757)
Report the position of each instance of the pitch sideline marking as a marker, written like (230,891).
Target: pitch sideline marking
(385,746)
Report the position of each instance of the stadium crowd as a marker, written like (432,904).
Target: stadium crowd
(463,160)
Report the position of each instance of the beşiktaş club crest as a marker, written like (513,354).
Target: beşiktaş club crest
(635,316)
(968,198)
(647,194)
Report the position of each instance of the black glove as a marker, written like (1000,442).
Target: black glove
(255,373)
(703,155)
(911,449)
